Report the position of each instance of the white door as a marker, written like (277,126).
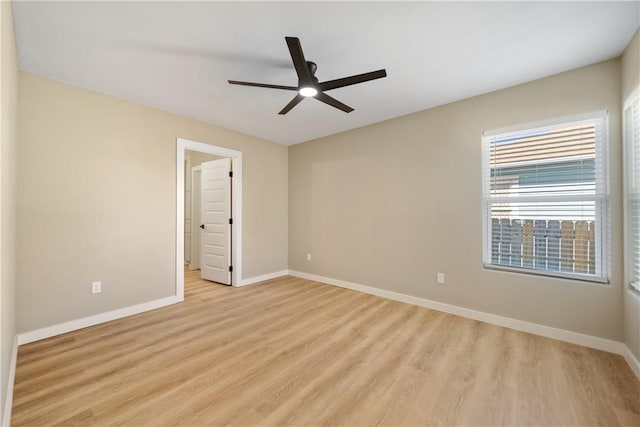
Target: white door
(215,217)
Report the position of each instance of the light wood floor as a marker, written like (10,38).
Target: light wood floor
(296,352)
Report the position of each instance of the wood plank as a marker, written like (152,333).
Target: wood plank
(516,243)
(540,237)
(505,241)
(582,247)
(297,352)
(553,245)
(495,241)
(567,237)
(527,243)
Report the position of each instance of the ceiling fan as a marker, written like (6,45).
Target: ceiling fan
(308,85)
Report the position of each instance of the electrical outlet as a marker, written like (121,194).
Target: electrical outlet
(440,278)
(308,257)
(96,287)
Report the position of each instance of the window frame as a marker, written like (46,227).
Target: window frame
(627,150)
(601,198)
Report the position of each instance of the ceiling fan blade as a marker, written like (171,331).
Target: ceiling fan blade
(235,82)
(300,64)
(352,80)
(295,101)
(323,97)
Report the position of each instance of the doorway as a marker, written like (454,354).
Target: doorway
(192,244)
(194,162)
(185,146)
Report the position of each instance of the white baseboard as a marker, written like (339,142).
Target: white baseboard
(74,325)
(8,402)
(633,362)
(262,277)
(507,322)
(520,325)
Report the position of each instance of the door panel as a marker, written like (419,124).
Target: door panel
(215,204)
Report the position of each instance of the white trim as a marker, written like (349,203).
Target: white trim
(544,124)
(263,277)
(8,402)
(507,322)
(631,98)
(547,273)
(74,325)
(633,362)
(600,120)
(236,207)
(626,163)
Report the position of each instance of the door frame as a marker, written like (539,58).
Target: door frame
(182,145)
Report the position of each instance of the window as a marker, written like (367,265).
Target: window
(546,199)
(632,193)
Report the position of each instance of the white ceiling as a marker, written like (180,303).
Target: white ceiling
(178,56)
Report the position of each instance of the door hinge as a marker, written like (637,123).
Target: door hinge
(231,269)
(230,174)
(230,220)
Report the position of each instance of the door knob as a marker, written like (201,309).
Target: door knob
(202,226)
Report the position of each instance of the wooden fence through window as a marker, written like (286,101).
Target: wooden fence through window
(554,245)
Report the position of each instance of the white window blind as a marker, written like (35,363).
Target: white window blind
(632,200)
(546,199)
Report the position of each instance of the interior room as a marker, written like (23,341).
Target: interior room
(320,213)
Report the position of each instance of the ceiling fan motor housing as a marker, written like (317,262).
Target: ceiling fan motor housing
(312,70)
(308,85)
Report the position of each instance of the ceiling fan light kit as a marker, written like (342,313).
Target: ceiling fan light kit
(308,85)
(308,91)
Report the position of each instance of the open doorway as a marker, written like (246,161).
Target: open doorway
(192,205)
(188,153)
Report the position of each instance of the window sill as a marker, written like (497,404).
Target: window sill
(549,274)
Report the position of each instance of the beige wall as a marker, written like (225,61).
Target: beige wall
(97,201)
(391,204)
(8,128)
(197,158)
(631,82)
(387,205)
